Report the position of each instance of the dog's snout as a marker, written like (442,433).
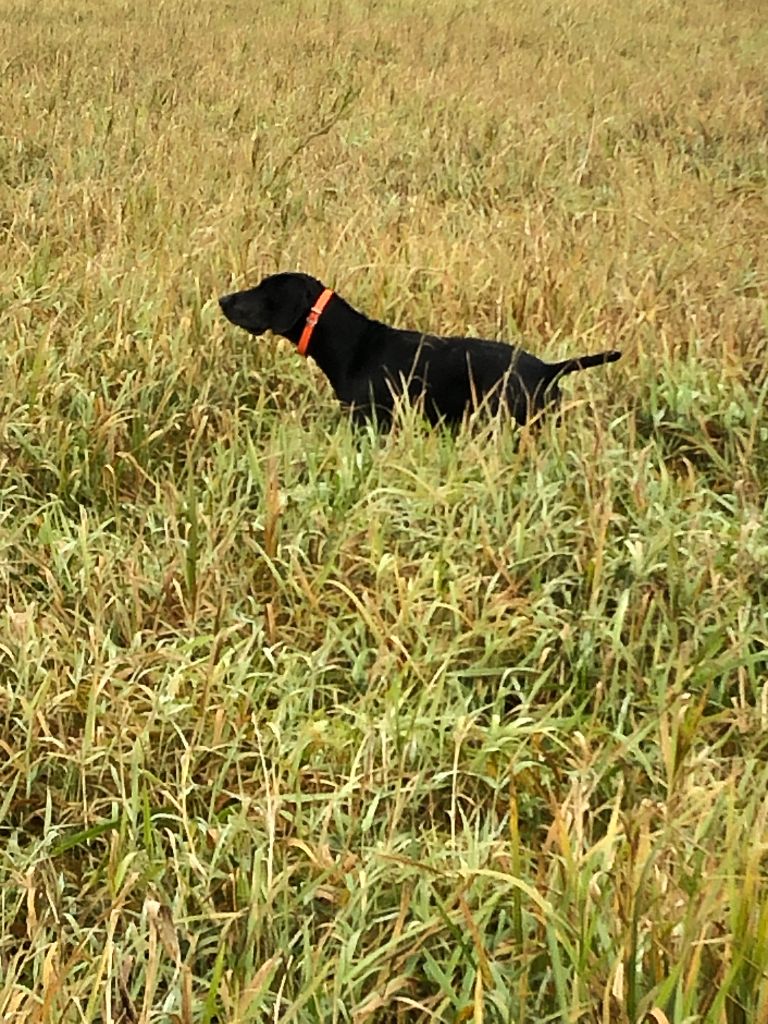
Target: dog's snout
(227,301)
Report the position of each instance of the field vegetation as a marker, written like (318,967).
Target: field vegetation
(299,724)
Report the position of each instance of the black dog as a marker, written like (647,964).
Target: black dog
(369,363)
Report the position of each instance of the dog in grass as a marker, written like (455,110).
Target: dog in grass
(370,364)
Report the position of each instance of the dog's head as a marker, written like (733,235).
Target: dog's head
(280,303)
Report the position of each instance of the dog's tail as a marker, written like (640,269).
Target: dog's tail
(583,363)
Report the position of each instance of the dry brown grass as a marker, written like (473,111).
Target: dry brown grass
(303,725)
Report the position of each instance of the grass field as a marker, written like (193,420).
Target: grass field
(303,725)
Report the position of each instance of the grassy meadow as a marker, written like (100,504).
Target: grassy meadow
(299,724)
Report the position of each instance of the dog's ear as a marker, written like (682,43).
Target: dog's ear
(291,304)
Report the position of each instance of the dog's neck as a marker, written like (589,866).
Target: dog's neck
(313,316)
(333,359)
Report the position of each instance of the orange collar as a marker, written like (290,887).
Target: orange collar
(312,318)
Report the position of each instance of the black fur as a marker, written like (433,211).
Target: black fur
(368,363)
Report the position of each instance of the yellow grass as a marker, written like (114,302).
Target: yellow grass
(305,725)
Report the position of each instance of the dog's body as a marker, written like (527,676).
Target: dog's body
(369,364)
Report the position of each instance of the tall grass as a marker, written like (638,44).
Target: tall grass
(300,724)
